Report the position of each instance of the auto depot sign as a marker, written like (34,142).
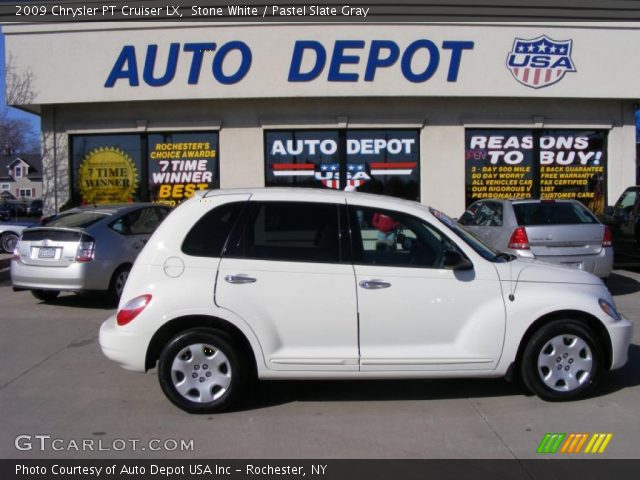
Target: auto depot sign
(417,62)
(154,61)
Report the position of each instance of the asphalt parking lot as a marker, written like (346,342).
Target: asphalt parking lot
(55,382)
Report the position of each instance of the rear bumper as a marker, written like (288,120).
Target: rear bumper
(600,264)
(76,277)
(125,347)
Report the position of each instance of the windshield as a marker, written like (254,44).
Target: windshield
(75,219)
(484,250)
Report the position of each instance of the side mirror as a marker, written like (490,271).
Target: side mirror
(456,261)
(609,211)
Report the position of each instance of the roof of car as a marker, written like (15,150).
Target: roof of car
(110,208)
(311,192)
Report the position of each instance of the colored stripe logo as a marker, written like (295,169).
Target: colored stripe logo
(574,443)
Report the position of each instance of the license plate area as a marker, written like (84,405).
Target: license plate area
(47,252)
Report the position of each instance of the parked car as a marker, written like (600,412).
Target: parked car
(35,209)
(10,211)
(624,220)
(84,249)
(298,284)
(555,231)
(9,235)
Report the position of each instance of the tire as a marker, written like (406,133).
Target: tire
(201,371)
(562,361)
(117,283)
(45,295)
(8,242)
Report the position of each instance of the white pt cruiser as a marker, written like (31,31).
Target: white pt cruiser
(299,284)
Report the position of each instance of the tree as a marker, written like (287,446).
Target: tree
(17,135)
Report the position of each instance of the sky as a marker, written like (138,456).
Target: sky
(33,119)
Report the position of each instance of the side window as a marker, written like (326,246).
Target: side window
(139,222)
(469,216)
(394,239)
(489,214)
(287,231)
(209,235)
(628,200)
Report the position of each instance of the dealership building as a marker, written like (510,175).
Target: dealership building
(442,113)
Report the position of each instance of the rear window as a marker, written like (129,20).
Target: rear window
(76,219)
(552,213)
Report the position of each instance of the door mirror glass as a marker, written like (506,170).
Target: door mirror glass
(454,260)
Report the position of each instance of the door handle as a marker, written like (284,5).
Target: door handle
(240,278)
(374,284)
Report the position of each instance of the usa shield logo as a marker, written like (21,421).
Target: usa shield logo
(540,62)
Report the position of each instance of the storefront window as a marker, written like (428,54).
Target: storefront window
(161,167)
(548,164)
(181,164)
(378,161)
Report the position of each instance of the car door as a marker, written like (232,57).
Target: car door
(415,313)
(286,273)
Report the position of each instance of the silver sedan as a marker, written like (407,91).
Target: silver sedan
(556,231)
(84,249)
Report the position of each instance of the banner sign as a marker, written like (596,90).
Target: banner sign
(181,164)
(549,164)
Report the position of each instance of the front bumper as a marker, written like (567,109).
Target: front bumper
(125,347)
(620,333)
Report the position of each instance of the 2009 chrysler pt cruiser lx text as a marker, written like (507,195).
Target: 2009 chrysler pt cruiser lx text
(301,284)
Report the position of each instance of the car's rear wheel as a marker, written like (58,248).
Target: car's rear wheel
(8,241)
(45,295)
(562,361)
(200,371)
(118,281)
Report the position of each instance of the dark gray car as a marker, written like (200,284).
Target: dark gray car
(84,249)
(555,231)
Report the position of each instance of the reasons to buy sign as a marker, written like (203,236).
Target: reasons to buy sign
(552,164)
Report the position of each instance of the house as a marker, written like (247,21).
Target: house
(21,177)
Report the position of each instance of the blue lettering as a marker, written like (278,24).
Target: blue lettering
(127,58)
(295,75)
(375,61)
(198,50)
(539,61)
(243,69)
(150,62)
(432,66)
(564,62)
(339,58)
(456,48)
(517,61)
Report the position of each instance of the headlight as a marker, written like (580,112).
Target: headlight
(609,309)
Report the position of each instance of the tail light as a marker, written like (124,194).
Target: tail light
(16,252)
(132,309)
(519,239)
(607,239)
(86,250)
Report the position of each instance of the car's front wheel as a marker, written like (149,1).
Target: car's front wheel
(562,361)
(200,371)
